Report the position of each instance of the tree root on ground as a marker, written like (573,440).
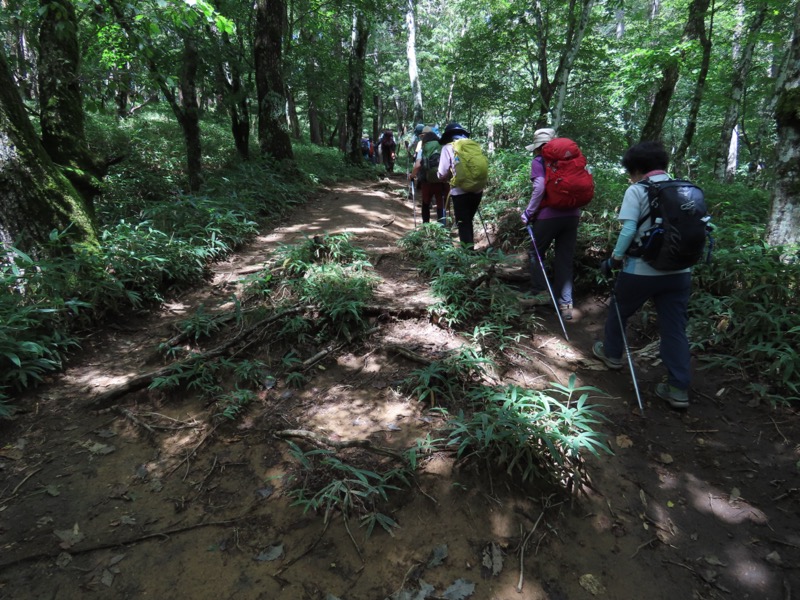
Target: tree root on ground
(320,440)
(106,399)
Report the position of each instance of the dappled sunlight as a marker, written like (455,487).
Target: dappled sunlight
(725,506)
(750,573)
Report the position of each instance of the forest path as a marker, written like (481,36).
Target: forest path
(155,500)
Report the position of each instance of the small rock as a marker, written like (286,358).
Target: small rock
(592,585)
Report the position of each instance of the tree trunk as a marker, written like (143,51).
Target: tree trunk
(575,32)
(190,114)
(294,121)
(654,126)
(233,93)
(411,54)
(705,37)
(315,130)
(355,98)
(35,198)
(60,98)
(784,221)
(724,167)
(273,139)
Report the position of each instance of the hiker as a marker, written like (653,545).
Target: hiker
(638,281)
(467,177)
(426,167)
(550,225)
(387,147)
(367,148)
(413,146)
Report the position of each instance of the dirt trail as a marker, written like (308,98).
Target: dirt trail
(155,501)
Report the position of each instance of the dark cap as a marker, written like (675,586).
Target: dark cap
(452,130)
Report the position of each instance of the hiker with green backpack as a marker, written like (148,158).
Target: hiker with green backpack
(466,167)
(425,171)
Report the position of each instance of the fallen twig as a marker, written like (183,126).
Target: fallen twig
(409,354)
(188,456)
(522,553)
(21,483)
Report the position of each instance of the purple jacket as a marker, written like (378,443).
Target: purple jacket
(530,213)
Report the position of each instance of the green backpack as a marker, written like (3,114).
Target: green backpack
(471,167)
(431,153)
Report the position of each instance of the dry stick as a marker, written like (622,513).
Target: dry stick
(304,552)
(522,553)
(647,543)
(19,485)
(352,539)
(106,545)
(188,457)
(130,416)
(785,441)
(409,354)
(323,441)
(105,399)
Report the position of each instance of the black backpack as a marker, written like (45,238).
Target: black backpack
(679,225)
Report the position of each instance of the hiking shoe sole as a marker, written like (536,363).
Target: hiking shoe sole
(675,397)
(566,311)
(611,363)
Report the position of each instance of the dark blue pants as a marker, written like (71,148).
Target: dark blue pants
(465,206)
(670,294)
(564,232)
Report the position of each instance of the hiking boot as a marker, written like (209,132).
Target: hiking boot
(675,397)
(566,311)
(611,363)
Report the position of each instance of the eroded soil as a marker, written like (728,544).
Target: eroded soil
(154,499)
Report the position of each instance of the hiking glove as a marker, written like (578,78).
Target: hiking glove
(609,265)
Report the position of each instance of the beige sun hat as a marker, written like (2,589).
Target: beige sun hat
(540,138)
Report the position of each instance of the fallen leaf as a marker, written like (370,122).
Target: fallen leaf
(127,520)
(714,561)
(63,559)
(270,554)
(69,537)
(107,578)
(52,490)
(100,449)
(592,584)
(623,441)
(265,492)
(460,589)
(774,558)
(106,433)
(734,496)
(670,504)
(665,458)
(438,555)
(643,498)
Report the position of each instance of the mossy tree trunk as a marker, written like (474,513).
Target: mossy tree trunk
(60,98)
(273,137)
(35,198)
(784,222)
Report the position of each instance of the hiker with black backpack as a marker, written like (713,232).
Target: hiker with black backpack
(425,171)
(664,228)
(466,168)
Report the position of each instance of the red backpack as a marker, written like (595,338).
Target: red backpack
(567,183)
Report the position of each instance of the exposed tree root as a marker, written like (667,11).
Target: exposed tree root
(107,545)
(320,440)
(106,399)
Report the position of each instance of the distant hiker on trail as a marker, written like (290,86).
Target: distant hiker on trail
(465,166)
(367,148)
(413,146)
(552,221)
(426,167)
(663,275)
(388,149)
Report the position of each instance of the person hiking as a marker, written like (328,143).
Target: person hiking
(388,147)
(367,148)
(550,225)
(426,167)
(467,177)
(638,281)
(414,145)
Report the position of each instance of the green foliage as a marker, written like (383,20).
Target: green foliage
(350,490)
(530,433)
(233,403)
(447,381)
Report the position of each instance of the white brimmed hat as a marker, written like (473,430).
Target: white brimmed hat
(540,138)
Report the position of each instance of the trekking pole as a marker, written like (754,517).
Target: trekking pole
(446,208)
(627,351)
(547,281)
(414,202)
(485,232)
